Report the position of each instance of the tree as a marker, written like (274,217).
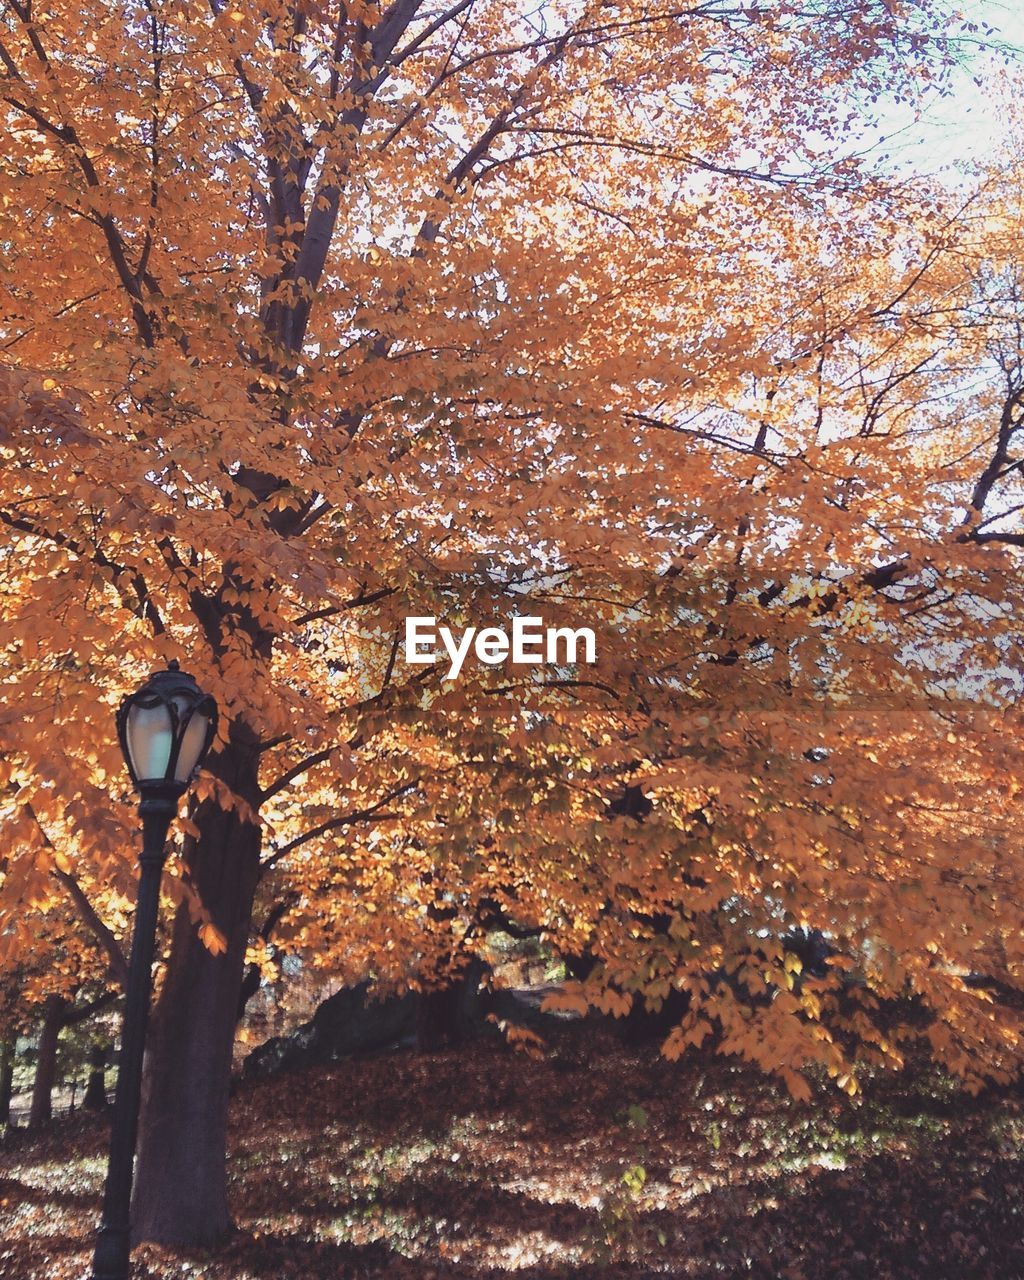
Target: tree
(7,1052)
(95,1096)
(60,979)
(56,948)
(58,1013)
(320,315)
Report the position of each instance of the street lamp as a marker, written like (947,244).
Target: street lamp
(165,730)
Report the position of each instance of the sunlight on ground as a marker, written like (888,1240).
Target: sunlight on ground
(477,1164)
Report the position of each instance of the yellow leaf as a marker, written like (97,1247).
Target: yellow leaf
(212,939)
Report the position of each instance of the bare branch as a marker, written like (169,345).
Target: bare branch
(373,813)
(90,917)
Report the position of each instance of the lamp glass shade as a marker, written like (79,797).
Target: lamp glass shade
(166,728)
(193,739)
(150,740)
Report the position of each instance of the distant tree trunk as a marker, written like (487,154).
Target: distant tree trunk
(41,1113)
(251,980)
(181,1181)
(96,1089)
(6,1079)
(436,1017)
(445,1014)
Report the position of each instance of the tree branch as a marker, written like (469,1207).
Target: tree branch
(90,917)
(371,813)
(76,1015)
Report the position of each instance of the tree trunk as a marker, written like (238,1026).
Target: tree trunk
(6,1079)
(447,1014)
(181,1183)
(96,1089)
(46,1062)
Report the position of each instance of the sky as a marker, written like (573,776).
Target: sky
(967,123)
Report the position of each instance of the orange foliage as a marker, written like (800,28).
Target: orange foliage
(317,316)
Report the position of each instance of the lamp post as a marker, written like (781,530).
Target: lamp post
(165,729)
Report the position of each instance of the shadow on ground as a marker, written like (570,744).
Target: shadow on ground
(595,1161)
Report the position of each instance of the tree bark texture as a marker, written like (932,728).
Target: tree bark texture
(181,1179)
(46,1062)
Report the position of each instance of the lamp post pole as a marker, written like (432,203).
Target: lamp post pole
(165,730)
(113,1246)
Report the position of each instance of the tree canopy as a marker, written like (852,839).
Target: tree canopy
(315,316)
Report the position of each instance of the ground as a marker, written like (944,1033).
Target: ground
(593,1161)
